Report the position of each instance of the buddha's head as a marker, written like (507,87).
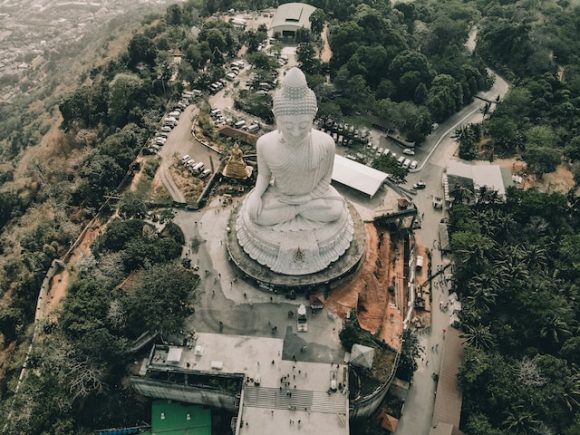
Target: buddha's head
(295,107)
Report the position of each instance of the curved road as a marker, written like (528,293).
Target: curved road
(418,409)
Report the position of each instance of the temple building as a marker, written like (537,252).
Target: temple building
(291,17)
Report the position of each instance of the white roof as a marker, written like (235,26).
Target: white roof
(174,354)
(357,175)
(294,14)
(481,175)
(490,177)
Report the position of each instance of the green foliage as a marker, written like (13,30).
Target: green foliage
(125,92)
(516,273)
(160,299)
(317,19)
(118,235)
(137,248)
(307,59)
(257,105)
(389,165)
(541,159)
(410,351)
(84,321)
(141,49)
(468,137)
(351,333)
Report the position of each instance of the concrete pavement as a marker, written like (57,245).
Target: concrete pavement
(242,308)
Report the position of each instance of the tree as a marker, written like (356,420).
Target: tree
(174,15)
(307,58)
(541,135)
(411,350)
(573,149)
(390,165)
(125,93)
(541,159)
(407,70)
(317,19)
(118,234)
(161,298)
(141,49)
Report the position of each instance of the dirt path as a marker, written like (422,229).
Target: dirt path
(60,281)
(326,53)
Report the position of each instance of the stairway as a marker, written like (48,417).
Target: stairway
(313,401)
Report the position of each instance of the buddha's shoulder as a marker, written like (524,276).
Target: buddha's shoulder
(322,137)
(269,139)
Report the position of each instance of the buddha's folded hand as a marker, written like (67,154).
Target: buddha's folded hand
(295,199)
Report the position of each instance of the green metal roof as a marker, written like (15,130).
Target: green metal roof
(171,418)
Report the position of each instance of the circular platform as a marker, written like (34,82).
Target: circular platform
(272,281)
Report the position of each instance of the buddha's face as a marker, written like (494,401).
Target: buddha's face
(295,128)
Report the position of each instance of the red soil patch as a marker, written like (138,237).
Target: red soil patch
(367,290)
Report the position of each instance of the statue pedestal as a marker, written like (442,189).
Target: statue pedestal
(311,259)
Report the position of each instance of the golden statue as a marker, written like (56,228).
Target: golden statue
(236,167)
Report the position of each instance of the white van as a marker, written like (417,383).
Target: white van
(197,168)
(401,160)
(406,163)
(253,128)
(230,76)
(240,124)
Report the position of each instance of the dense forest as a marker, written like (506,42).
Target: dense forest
(517,269)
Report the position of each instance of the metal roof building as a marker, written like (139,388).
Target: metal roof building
(290,17)
(358,176)
(473,178)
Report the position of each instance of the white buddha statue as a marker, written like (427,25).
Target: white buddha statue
(294,221)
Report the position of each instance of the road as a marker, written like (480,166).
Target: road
(418,410)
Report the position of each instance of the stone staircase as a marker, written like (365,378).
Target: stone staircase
(313,401)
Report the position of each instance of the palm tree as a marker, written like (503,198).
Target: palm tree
(555,328)
(478,336)
(519,421)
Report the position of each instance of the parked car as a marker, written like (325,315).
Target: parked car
(401,160)
(166,128)
(253,128)
(162,134)
(175,114)
(186,158)
(408,152)
(406,163)
(150,150)
(240,124)
(160,141)
(413,164)
(205,173)
(215,112)
(170,120)
(419,185)
(197,168)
